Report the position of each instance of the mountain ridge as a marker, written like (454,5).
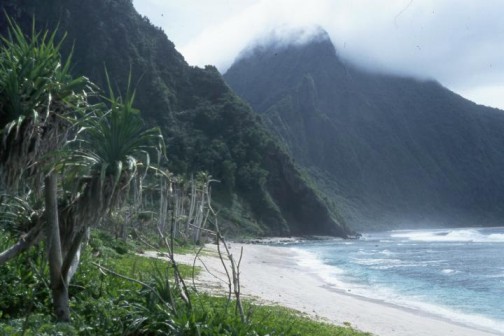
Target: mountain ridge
(390,149)
(206,126)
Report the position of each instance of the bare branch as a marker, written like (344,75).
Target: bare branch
(219,238)
(184,292)
(28,240)
(196,257)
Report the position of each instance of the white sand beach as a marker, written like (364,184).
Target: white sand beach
(272,275)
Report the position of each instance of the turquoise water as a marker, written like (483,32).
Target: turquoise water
(455,273)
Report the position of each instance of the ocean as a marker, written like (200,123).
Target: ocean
(457,274)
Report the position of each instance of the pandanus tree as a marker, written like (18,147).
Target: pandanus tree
(80,159)
(108,158)
(38,98)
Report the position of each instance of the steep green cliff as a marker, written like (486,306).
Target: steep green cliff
(392,151)
(206,126)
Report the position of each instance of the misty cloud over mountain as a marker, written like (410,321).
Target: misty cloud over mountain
(394,151)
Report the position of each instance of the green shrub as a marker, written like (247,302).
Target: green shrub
(24,286)
(107,304)
(37,325)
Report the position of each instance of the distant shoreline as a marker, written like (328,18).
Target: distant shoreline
(271,275)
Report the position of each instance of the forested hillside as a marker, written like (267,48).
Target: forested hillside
(206,126)
(395,151)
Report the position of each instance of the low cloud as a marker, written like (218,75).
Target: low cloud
(457,42)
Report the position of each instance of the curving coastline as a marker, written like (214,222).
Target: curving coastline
(272,275)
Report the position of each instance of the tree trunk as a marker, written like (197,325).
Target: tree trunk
(72,257)
(59,286)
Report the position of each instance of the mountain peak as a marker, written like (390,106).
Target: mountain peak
(391,149)
(282,38)
(282,60)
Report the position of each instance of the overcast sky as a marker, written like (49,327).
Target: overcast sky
(459,43)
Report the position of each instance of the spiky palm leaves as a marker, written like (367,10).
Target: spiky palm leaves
(40,105)
(38,96)
(38,101)
(19,217)
(101,163)
(113,148)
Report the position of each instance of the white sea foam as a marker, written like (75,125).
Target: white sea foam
(418,303)
(389,295)
(341,279)
(495,276)
(458,235)
(449,271)
(474,320)
(377,261)
(312,263)
(386,252)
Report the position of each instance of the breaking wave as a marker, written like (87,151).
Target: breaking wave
(458,235)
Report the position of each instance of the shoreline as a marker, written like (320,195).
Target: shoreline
(272,275)
(339,288)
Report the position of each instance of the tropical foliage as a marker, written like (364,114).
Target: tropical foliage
(37,99)
(40,110)
(67,165)
(205,125)
(107,304)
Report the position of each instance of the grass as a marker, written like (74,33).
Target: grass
(103,303)
(276,320)
(300,324)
